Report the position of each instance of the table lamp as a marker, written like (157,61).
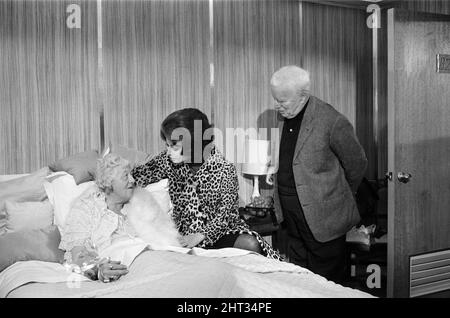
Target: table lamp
(256,161)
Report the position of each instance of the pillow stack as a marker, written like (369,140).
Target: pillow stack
(34,207)
(31,207)
(26,218)
(28,188)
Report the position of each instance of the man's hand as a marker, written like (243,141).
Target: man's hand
(192,240)
(269,175)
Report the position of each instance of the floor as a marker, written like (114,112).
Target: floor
(359,259)
(357,265)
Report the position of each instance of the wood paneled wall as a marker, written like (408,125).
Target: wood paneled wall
(250,43)
(48,84)
(337,50)
(155,58)
(432,6)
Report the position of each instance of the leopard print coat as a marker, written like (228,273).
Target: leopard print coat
(205,202)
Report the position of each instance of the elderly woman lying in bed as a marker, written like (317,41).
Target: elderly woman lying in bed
(96,220)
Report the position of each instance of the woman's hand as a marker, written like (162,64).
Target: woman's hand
(192,240)
(109,271)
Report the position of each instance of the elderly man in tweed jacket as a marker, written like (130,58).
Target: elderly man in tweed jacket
(319,165)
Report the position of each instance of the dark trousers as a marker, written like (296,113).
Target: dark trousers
(326,259)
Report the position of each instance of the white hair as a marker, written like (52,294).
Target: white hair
(107,168)
(293,77)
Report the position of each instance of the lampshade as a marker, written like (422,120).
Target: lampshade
(256,159)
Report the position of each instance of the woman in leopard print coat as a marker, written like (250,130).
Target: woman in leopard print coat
(205,196)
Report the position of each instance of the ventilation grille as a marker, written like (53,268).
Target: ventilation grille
(429,273)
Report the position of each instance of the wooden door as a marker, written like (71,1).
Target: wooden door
(418,143)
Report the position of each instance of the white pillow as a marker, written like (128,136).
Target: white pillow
(160,192)
(28,215)
(23,189)
(2,213)
(61,193)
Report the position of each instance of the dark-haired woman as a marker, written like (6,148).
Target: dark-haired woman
(203,186)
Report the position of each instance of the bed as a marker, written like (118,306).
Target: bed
(177,275)
(174,273)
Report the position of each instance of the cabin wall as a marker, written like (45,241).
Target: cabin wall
(137,61)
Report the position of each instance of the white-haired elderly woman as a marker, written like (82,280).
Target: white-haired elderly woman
(95,220)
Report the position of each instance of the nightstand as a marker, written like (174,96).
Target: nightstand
(265,224)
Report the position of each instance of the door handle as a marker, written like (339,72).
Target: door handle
(404,177)
(388,176)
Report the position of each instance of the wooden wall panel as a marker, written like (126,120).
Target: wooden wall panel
(338,53)
(250,42)
(252,39)
(48,96)
(432,6)
(155,59)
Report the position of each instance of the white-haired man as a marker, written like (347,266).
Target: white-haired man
(320,164)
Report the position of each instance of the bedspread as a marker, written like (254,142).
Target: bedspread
(216,273)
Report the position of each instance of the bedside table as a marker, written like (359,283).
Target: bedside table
(265,224)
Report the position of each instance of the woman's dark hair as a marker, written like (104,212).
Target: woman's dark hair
(186,118)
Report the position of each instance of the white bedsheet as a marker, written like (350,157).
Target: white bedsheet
(209,273)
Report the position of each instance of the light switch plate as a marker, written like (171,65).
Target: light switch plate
(443,63)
